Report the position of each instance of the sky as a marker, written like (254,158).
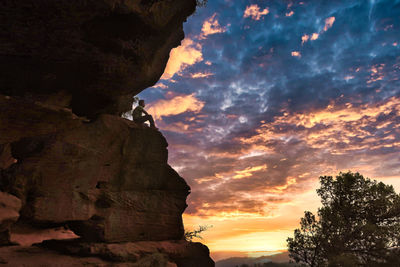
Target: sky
(263,97)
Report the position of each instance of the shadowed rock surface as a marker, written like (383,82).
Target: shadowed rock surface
(106,179)
(134,254)
(9,214)
(91,55)
(181,252)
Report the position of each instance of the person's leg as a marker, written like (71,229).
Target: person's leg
(140,120)
(144,119)
(151,120)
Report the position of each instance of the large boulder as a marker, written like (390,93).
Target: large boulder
(107,179)
(91,55)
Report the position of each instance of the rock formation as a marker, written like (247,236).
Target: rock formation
(68,68)
(9,214)
(90,55)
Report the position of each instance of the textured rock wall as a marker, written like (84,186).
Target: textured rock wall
(91,55)
(68,68)
(108,179)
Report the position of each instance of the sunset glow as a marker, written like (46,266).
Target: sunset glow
(262,98)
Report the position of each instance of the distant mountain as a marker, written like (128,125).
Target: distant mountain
(277,260)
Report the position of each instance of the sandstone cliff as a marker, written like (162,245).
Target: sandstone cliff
(91,55)
(106,178)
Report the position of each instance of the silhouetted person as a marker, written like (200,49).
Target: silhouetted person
(139,118)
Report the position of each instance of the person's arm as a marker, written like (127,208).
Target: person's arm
(145,112)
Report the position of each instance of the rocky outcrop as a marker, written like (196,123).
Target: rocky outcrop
(180,252)
(108,179)
(67,160)
(9,214)
(91,55)
(135,254)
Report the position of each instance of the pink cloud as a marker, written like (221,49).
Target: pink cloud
(254,12)
(328,23)
(305,38)
(174,106)
(296,54)
(289,14)
(211,26)
(201,75)
(314,36)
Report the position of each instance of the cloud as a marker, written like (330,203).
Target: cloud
(336,130)
(314,36)
(377,73)
(175,106)
(296,54)
(160,85)
(188,53)
(201,75)
(254,12)
(329,23)
(248,172)
(289,14)
(211,26)
(305,38)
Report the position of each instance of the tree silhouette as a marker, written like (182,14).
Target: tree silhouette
(358,224)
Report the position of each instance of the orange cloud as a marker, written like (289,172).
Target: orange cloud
(328,23)
(160,85)
(305,38)
(376,73)
(248,172)
(296,54)
(211,26)
(342,124)
(289,14)
(254,12)
(349,77)
(314,36)
(188,53)
(201,75)
(175,106)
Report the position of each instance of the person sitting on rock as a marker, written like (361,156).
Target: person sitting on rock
(139,118)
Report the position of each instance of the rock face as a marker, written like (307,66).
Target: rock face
(138,254)
(91,55)
(9,214)
(181,252)
(108,179)
(105,178)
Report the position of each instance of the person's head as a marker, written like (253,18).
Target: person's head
(141,103)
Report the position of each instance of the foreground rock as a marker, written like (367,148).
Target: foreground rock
(91,55)
(34,256)
(108,179)
(69,166)
(135,254)
(9,214)
(181,253)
